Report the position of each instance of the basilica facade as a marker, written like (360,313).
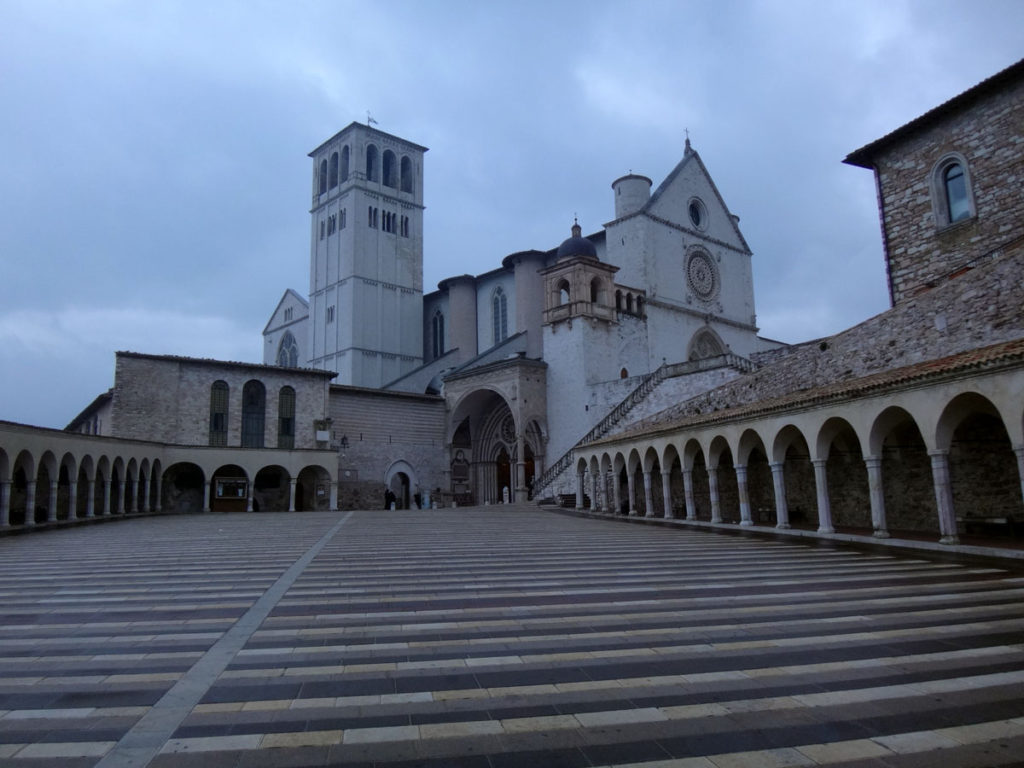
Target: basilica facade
(620,371)
(531,355)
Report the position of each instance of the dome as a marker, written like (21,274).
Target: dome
(577,245)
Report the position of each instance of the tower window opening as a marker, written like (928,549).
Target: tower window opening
(323,176)
(371,162)
(344,163)
(389,168)
(406,174)
(499,316)
(332,171)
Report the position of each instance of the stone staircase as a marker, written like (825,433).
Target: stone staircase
(641,403)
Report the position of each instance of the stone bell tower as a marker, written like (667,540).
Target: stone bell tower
(366,256)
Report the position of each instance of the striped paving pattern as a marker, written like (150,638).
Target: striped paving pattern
(496,637)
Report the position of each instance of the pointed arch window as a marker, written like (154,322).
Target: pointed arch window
(219,413)
(288,352)
(344,163)
(286,418)
(254,406)
(499,316)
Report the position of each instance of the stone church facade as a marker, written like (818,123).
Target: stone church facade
(620,371)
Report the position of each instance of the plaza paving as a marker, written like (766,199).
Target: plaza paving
(496,637)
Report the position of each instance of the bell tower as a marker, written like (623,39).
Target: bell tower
(366,256)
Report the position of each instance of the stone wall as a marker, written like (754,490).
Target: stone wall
(167,399)
(977,308)
(381,428)
(988,135)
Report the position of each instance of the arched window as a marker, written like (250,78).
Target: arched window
(389,169)
(323,176)
(219,413)
(437,334)
(254,402)
(629,303)
(618,301)
(371,162)
(332,171)
(596,293)
(406,174)
(623,374)
(499,315)
(286,418)
(344,163)
(956,193)
(952,200)
(288,352)
(563,292)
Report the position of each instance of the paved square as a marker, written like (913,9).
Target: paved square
(496,637)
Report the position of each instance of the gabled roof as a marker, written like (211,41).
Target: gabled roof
(690,155)
(370,130)
(101,400)
(273,314)
(864,157)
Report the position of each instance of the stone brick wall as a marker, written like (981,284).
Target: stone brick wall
(989,134)
(977,308)
(167,399)
(382,428)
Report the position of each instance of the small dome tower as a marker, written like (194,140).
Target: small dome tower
(631,194)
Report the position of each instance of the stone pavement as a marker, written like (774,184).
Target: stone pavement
(496,637)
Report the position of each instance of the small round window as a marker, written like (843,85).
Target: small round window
(698,214)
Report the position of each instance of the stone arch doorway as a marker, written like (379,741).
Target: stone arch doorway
(400,479)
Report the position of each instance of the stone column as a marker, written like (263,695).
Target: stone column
(716,502)
(741,487)
(133,489)
(666,494)
(648,496)
(159,506)
(691,507)
(631,492)
(605,482)
(248,496)
(616,493)
(877,493)
(291,494)
(944,497)
(1019,450)
(821,486)
(334,496)
(519,493)
(5,503)
(106,497)
(30,502)
(779,484)
(579,490)
(51,507)
(90,499)
(209,496)
(145,493)
(120,496)
(73,499)
(594,500)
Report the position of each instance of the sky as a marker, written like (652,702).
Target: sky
(155,184)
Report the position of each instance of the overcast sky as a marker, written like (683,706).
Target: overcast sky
(155,186)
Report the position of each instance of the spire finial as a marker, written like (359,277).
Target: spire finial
(576,230)
(688,149)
